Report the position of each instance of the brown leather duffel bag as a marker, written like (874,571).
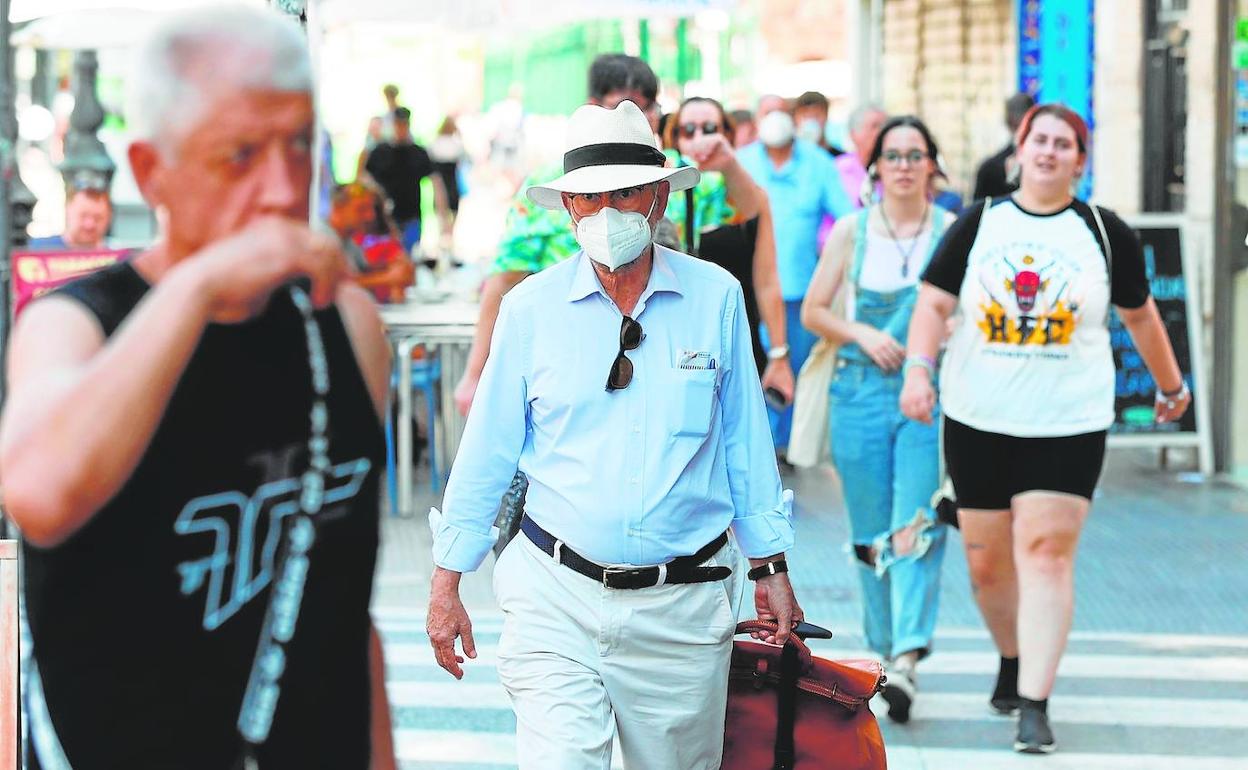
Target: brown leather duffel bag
(788,710)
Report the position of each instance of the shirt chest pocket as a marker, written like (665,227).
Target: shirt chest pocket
(693,400)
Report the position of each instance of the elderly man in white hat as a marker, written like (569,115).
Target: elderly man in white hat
(622,383)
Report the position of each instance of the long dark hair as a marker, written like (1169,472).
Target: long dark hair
(904,121)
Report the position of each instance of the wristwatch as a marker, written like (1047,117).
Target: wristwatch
(768,569)
(778,352)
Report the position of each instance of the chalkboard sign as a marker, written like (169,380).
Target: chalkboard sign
(1178,302)
(1135,389)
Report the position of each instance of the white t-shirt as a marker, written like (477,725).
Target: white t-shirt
(1030,355)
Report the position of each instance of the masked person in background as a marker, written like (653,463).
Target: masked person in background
(803,187)
(810,113)
(622,384)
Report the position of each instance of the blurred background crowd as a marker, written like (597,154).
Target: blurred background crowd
(471,98)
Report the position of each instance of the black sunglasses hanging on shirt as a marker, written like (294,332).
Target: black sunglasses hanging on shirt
(622,368)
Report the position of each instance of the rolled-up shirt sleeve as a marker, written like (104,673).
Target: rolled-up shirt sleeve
(488,452)
(763,518)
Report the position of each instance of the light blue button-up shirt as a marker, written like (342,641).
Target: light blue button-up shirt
(635,476)
(802,191)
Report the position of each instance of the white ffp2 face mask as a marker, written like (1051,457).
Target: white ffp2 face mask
(776,129)
(614,238)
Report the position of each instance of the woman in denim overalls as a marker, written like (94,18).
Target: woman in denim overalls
(889,465)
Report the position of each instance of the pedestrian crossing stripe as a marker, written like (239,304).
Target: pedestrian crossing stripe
(468,725)
(1211,669)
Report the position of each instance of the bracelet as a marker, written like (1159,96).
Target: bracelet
(1171,399)
(926,362)
(768,569)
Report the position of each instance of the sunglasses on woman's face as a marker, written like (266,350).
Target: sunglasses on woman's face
(622,369)
(689,129)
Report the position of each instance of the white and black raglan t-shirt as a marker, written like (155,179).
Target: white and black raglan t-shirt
(1030,354)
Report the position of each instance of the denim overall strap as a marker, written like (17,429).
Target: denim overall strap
(938,229)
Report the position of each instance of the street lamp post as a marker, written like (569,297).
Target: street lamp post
(84,152)
(16,200)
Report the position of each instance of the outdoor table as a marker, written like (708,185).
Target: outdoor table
(447,329)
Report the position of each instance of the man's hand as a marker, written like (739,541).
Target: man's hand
(446,619)
(240,273)
(711,152)
(779,375)
(774,600)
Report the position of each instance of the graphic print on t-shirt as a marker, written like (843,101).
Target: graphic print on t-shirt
(239,520)
(1029,300)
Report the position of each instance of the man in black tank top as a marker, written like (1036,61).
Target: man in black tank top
(186,431)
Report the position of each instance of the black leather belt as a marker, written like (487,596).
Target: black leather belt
(683,569)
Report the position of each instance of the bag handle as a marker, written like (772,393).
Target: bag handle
(772,627)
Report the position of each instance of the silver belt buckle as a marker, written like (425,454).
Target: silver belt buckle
(606,571)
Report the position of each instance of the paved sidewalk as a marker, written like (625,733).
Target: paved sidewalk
(1156,676)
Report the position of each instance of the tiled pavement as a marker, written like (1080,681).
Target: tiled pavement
(1156,676)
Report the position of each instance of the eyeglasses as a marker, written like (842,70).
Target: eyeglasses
(628,199)
(622,368)
(894,158)
(708,128)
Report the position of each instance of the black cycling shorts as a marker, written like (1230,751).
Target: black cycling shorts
(988,469)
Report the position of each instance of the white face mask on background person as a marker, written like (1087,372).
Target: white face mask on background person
(776,129)
(811,130)
(614,238)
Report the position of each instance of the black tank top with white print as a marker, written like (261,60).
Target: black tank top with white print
(145,621)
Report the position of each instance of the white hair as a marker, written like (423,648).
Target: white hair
(860,114)
(223,48)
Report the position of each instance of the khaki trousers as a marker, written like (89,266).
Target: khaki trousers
(581,662)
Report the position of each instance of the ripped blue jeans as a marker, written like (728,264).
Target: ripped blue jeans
(889,469)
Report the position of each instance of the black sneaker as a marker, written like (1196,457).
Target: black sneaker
(899,691)
(1004,700)
(1004,705)
(1034,734)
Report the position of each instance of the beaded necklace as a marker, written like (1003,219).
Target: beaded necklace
(255,718)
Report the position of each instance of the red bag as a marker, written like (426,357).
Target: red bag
(788,710)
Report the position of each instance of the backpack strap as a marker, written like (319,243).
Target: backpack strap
(1109,249)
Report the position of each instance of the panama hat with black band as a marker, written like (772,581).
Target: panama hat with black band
(610,150)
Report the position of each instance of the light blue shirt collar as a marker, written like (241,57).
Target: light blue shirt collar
(662,278)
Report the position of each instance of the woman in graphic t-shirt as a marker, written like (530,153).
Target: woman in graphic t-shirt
(889,465)
(1027,391)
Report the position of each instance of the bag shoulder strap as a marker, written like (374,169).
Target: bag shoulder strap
(786,708)
(860,245)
